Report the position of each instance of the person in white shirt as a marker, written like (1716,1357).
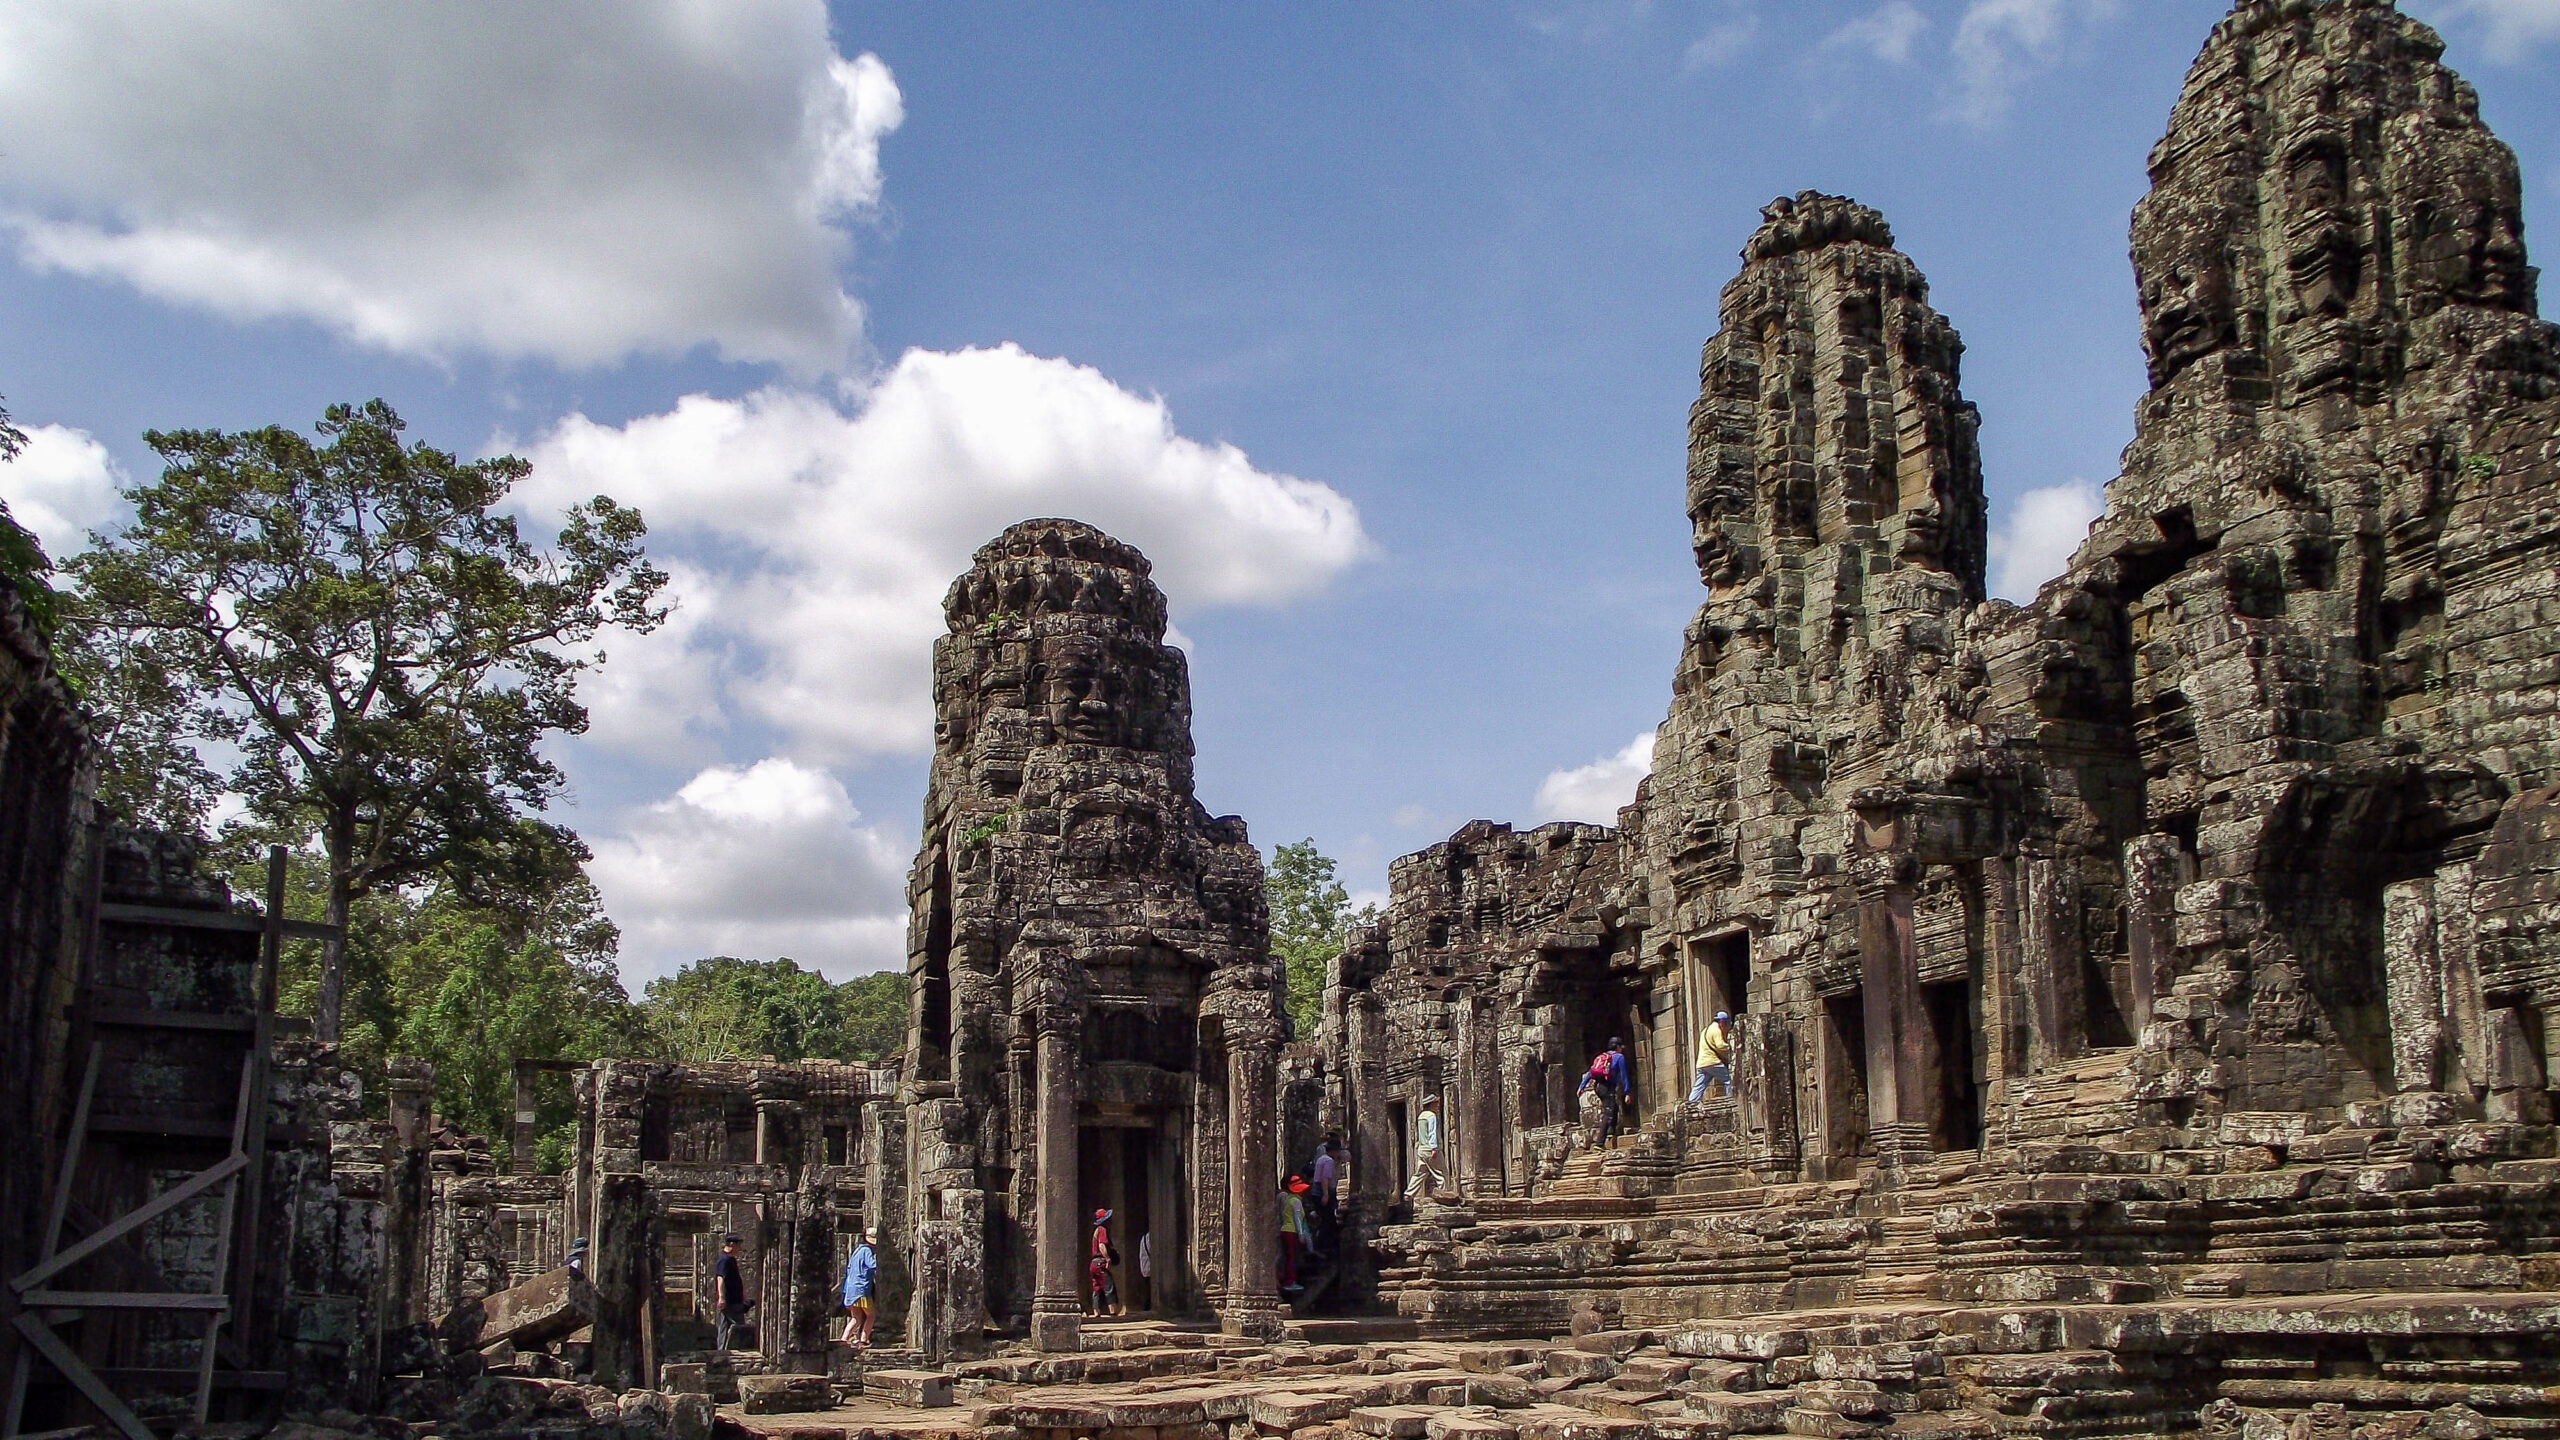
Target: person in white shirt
(1426,1150)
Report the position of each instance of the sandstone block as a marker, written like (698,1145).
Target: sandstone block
(784,1394)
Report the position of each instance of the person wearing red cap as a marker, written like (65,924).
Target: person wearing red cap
(1293,1230)
(1105,1299)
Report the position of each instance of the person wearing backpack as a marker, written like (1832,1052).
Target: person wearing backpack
(1602,1077)
(1105,1299)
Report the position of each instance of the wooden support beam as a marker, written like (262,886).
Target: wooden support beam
(179,918)
(82,1378)
(159,1205)
(124,1300)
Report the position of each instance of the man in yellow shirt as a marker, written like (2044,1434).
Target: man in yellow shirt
(1715,1058)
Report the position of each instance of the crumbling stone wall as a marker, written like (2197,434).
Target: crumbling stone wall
(44,874)
(1096,1010)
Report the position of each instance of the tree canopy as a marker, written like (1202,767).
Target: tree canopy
(725,1008)
(22,560)
(1311,919)
(384,650)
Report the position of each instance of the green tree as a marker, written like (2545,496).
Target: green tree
(384,649)
(725,1008)
(1311,920)
(23,562)
(144,720)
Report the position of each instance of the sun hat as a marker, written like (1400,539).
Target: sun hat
(1101,1215)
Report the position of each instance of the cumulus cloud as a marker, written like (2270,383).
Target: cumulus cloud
(1721,45)
(2000,44)
(1594,793)
(62,486)
(608,178)
(2512,29)
(1887,34)
(2034,541)
(768,859)
(815,542)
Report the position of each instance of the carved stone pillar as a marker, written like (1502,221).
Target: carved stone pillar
(1253,1211)
(2054,965)
(1057,1308)
(1899,1091)
(2413,982)
(2154,868)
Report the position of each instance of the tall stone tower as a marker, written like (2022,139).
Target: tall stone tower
(1095,1013)
(2332,553)
(1835,498)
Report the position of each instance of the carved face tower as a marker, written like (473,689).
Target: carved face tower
(1089,951)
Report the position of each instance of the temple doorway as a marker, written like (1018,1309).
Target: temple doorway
(1120,1168)
(1844,1082)
(1955,1102)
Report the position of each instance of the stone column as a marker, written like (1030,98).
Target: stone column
(2154,868)
(522,1161)
(2055,968)
(1253,1212)
(1899,1092)
(1480,1102)
(1057,1307)
(2465,1008)
(1371,1141)
(2413,984)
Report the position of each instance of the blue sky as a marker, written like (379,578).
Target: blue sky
(1376,325)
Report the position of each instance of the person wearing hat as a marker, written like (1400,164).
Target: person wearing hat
(577,1261)
(1105,1299)
(728,1291)
(859,1273)
(1426,1150)
(1295,1239)
(1715,1058)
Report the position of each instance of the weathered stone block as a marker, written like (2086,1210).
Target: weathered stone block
(784,1394)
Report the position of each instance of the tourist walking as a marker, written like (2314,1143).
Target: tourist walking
(1715,1058)
(1426,1150)
(728,1291)
(1622,1073)
(1327,1181)
(1105,1299)
(1294,1236)
(1599,1079)
(859,1273)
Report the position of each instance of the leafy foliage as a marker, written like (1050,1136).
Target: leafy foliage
(725,1008)
(1311,920)
(384,650)
(23,562)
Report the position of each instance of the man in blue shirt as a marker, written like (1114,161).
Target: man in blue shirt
(729,1291)
(1622,1074)
(859,1272)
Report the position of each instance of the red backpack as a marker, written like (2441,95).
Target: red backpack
(1600,1067)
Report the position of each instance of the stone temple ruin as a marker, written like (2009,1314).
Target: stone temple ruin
(2146,997)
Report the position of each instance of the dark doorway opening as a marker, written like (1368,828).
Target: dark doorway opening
(1725,966)
(1844,1079)
(933,989)
(1115,1171)
(1955,1109)
(1399,1174)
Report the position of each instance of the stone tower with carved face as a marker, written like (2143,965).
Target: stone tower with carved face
(1095,1024)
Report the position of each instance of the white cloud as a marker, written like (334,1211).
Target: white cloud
(819,542)
(770,859)
(2511,29)
(2034,541)
(1887,34)
(607,177)
(2000,44)
(1722,44)
(62,486)
(1596,792)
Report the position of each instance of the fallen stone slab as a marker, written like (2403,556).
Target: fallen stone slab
(1392,1422)
(924,1389)
(1564,1424)
(1503,1391)
(1742,1414)
(1460,1425)
(545,1308)
(1281,1412)
(691,1378)
(1580,1365)
(784,1394)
